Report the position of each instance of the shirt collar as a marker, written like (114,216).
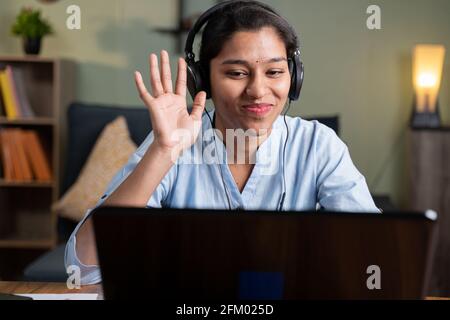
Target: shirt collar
(272,142)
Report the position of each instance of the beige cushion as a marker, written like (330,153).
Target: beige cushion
(110,153)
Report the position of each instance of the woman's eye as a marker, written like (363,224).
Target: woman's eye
(241,74)
(236,73)
(275,72)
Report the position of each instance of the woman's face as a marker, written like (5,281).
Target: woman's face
(250,81)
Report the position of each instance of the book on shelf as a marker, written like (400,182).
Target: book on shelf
(23,157)
(14,96)
(24,164)
(36,155)
(23,99)
(2,104)
(13,88)
(7,95)
(17,171)
(6,156)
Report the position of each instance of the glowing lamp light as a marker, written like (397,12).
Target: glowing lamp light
(427,80)
(428,62)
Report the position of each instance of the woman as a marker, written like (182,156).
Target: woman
(244,55)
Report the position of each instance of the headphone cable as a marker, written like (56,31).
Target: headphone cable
(283,195)
(220,167)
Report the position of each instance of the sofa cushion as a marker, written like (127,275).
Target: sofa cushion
(86,122)
(110,153)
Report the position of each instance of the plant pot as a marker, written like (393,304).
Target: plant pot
(32,45)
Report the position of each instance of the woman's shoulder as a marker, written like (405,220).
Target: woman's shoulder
(311,139)
(306,130)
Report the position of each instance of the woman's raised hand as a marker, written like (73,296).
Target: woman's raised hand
(173,127)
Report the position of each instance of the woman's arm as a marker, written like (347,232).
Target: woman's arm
(133,192)
(174,130)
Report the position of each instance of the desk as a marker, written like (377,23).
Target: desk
(56,287)
(47,287)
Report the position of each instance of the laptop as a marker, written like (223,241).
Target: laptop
(190,254)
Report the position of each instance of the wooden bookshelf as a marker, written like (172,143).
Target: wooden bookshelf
(34,184)
(26,219)
(34,231)
(41,121)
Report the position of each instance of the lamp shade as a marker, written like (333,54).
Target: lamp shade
(428,61)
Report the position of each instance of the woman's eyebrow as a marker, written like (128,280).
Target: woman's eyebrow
(244,62)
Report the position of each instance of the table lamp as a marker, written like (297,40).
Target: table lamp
(428,61)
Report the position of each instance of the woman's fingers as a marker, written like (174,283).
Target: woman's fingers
(166,77)
(161,80)
(180,87)
(143,92)
(199,105)
(155,78)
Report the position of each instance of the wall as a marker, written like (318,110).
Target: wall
(362,75)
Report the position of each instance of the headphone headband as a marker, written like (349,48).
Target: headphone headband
(203,19)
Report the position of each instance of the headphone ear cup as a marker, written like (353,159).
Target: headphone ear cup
(205,81)
(297,74)
(290,67)
(194,78)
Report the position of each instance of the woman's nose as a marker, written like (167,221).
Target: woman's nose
(256,87)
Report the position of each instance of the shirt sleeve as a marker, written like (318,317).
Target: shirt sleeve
(340,186)
(90,274)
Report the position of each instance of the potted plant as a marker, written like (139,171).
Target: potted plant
(32,28)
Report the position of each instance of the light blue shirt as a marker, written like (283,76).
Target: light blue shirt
(319,173)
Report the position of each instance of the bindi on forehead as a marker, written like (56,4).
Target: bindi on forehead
(258,61)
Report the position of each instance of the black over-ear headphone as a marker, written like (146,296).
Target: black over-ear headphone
(196,78)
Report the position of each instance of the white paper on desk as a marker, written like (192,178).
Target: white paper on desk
(61,296)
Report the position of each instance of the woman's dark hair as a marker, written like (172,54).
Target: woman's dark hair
(241,16)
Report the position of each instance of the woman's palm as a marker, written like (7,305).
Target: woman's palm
(173,126)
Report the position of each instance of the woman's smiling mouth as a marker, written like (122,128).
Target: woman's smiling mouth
(259,109)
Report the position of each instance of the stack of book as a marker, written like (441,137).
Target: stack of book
(22,156)
(14,101)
